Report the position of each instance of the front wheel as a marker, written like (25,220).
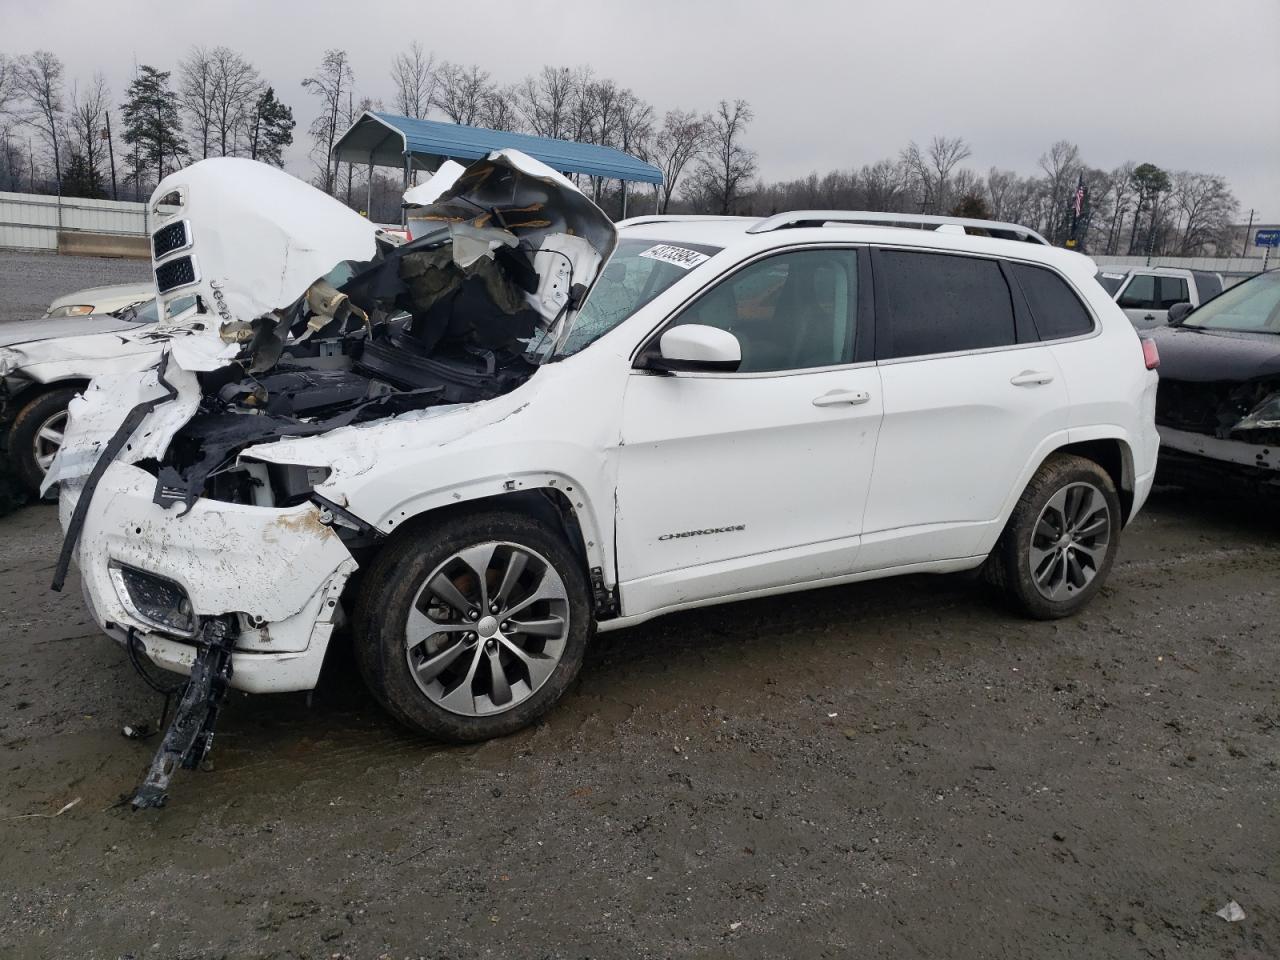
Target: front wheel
(474,629)
(1060,542)
(36,435)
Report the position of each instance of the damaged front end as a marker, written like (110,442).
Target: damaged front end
(1236,425)
(1218,405)
(231,567)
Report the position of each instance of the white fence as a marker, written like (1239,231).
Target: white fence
(33,222)
(1227,266)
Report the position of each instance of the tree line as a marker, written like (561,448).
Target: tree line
(1135,208)
(77,142)
(215,103)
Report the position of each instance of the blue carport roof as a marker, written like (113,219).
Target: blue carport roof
(386,138)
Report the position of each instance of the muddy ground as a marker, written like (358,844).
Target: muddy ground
(896,769)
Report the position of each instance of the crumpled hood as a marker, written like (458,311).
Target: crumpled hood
(19,333)
(256,237)
(509,178)
(256,244)
(1204,356)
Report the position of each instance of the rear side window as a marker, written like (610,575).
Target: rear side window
(940,303)
(1172,290)
(1140,294)
(1055,308)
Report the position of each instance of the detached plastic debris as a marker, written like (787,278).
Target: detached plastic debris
(1231,913)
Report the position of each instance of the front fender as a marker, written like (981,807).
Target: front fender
(390,472)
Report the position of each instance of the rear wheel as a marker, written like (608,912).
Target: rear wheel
(476,629)
(36,435)
(1061,539)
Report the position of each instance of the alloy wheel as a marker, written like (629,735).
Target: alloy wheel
(48,440)
(487,628)
(1070,541)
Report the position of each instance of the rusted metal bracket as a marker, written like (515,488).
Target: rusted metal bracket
(190,734)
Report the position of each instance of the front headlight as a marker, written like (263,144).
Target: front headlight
(72,310)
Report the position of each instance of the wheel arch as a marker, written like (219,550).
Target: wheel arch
(1115,456)
(33,391)
(552,499)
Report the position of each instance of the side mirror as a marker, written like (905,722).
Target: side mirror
(1178,312)
(695,348)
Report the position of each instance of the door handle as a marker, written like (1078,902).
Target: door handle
(1031,378)
(835,398)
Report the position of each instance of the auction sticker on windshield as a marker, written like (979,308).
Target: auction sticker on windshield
(681,257)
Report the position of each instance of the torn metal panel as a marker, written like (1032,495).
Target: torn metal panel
(99,412)
(426,193)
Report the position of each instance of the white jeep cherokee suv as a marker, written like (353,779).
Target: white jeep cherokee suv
(527,426)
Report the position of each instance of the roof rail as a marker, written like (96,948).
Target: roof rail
(819,218)
(671,218)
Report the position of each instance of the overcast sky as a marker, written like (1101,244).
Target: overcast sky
(1180,83)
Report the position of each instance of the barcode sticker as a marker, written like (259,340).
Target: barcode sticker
(680,257)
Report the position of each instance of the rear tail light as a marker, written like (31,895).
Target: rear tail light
(1150,353)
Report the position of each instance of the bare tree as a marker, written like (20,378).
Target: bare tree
(236,88)
(930,169)
(725,166)
(1208,206)
(8,83)
(546,101)
(38,81)
(883,186)
(635,125)
(461,92)
(681,139)
(1062,168)
(1000,189)
(414,74)
(498,111)
(88,130)
(196,95)
(944,154)
(332,83)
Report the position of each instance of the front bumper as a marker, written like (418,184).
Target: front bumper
(1253,455)
(279,571)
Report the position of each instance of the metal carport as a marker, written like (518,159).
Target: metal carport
(388,140)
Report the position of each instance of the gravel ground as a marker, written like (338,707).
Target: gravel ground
(28,281)
(894,769)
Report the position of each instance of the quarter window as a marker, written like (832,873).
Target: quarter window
(1055,309)
(790,312)
(940,303)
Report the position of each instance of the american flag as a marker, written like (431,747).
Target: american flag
(1079,197)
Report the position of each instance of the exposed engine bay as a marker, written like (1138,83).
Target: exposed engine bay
(465,312)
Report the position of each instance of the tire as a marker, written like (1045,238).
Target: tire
(1054,570)
(464,702)
(26,445)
